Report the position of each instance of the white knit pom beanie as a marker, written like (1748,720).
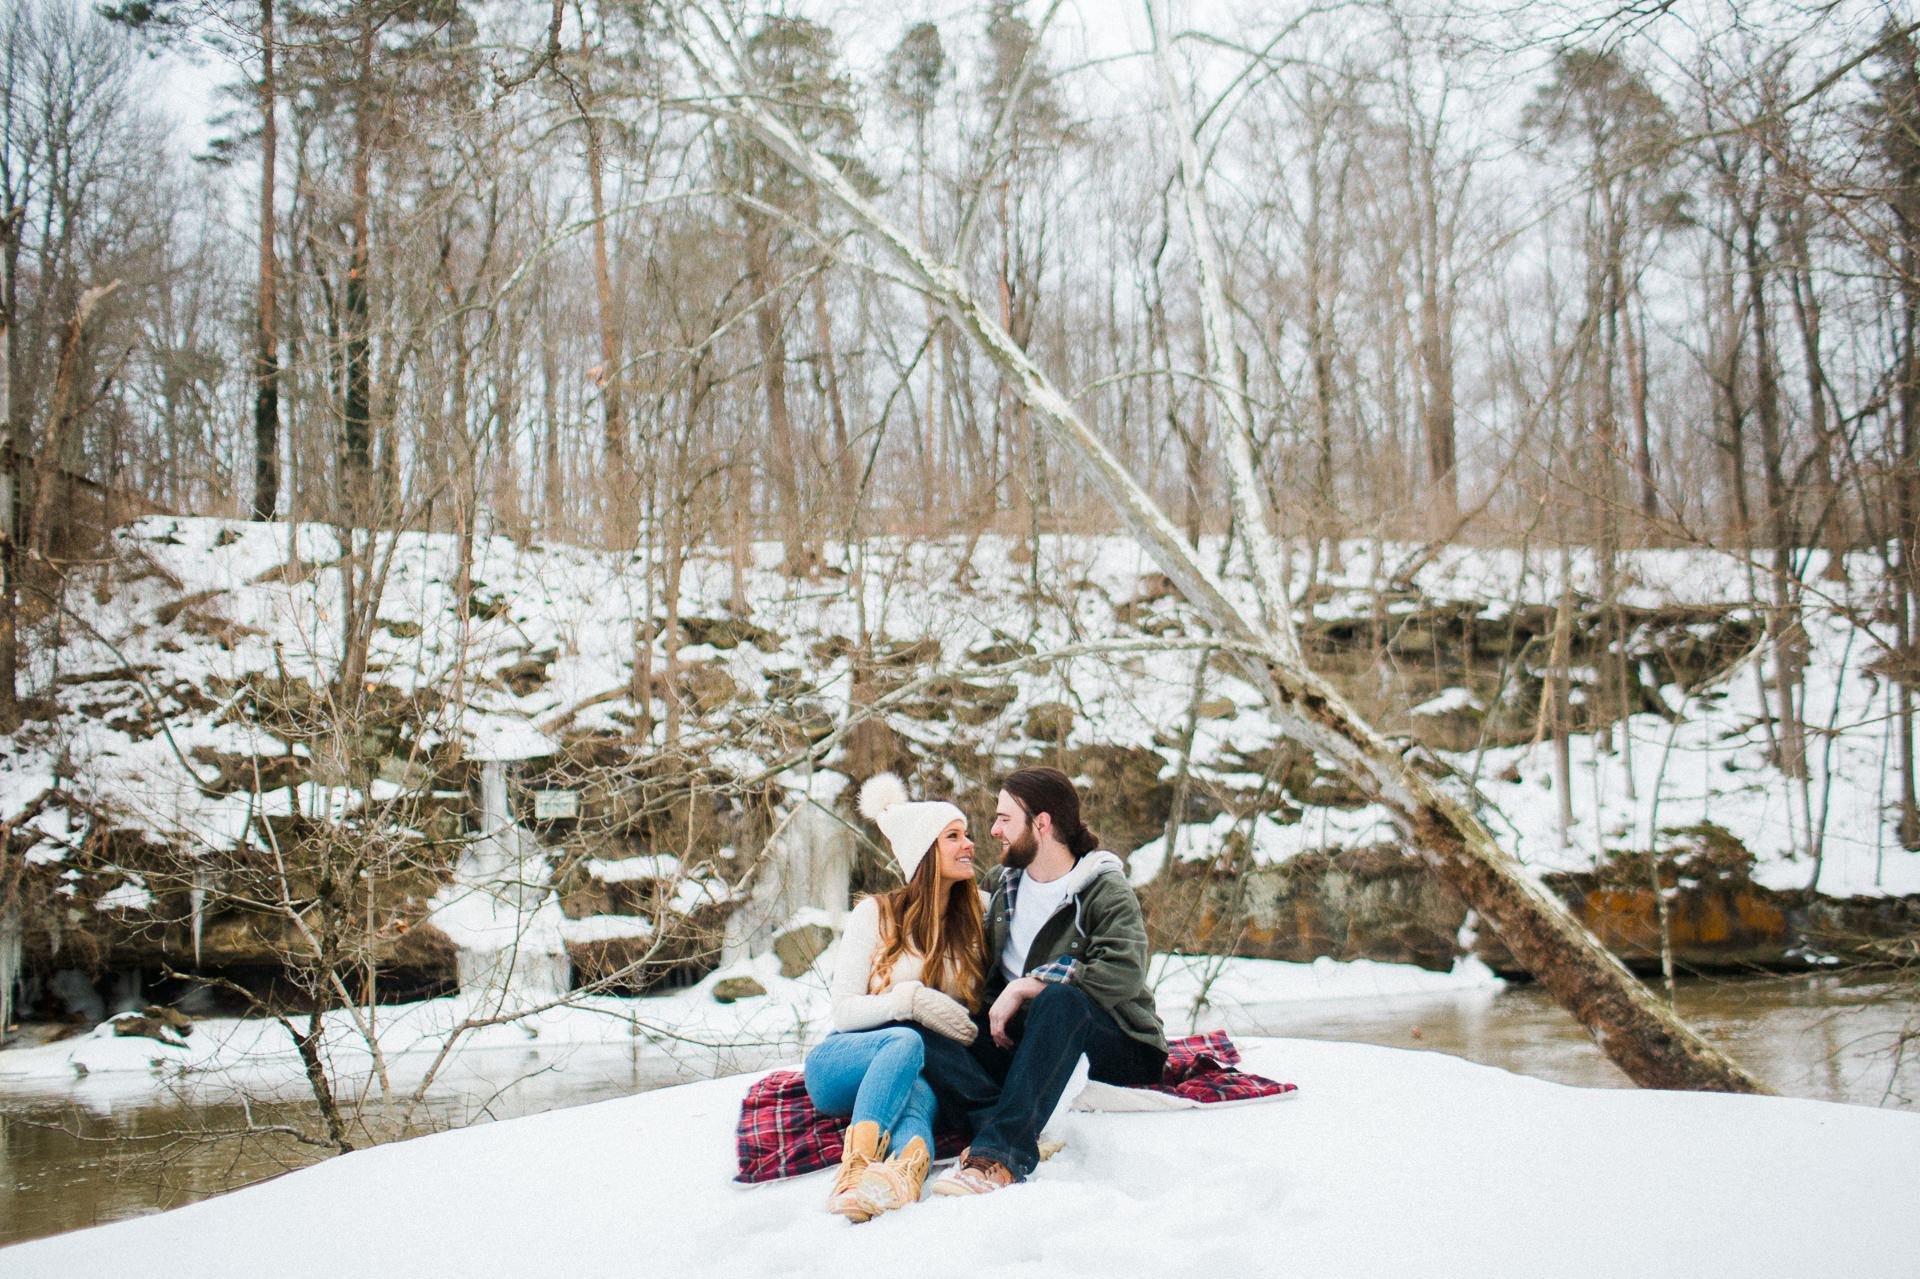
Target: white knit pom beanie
(910,826)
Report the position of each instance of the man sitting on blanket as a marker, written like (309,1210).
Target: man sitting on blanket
(1067,975)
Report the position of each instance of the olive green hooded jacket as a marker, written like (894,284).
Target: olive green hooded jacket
(1097,940)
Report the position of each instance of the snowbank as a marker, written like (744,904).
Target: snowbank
(1214,992)
(1386,1162)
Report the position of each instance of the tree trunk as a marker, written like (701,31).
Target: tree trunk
(1834,528)
(783,461)
(357,405)
(1556,704)
(740,558)
(1906,522)
(356,441)
(1437,415)
(308,1043)
(266,359)
(1197,443)
(1320,343)
(1606,461)
(1783,613)
(1636,356)
(64,411)
(1655,1048)
(1727,398)
(846,469)
(553,489)
(620,480)
(9,498)
(1437,409)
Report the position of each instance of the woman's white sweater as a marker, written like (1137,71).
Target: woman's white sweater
(853,1007)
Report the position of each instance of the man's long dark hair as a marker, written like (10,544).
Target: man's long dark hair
(1050,791)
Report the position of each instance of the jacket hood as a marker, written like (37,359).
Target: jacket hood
(1094,863)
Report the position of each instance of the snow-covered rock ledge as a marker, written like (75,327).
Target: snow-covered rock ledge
(1385,1163)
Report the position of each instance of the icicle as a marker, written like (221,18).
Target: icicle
(197,905)
(496,819)
(10,953)
(805,869)
(500,911)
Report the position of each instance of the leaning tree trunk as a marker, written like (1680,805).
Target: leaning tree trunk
(1652,1046)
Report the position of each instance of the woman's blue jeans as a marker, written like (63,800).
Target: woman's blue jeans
(875,1074)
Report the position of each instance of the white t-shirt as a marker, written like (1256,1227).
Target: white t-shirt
(1033,906)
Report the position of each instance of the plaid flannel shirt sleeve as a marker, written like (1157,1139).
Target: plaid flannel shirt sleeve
(1064,970)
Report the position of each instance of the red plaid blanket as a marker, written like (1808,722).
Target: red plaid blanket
(782,1135)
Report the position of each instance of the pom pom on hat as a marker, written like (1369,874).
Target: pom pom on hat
(881,792)
(910,826)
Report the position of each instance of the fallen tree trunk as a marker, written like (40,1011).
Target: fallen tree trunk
(1645,1039)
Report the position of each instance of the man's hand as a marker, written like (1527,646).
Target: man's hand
(1017,993)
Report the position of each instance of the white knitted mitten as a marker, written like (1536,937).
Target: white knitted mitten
(939,1011)
(900,997)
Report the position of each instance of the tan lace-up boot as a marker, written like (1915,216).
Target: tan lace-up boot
(861,1149)
(896,1182)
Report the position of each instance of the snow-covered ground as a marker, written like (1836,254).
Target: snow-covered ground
(687,1033)
(1385,1163)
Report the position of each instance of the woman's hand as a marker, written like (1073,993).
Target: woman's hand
(900,1000)
(939,1011)
(1018,992)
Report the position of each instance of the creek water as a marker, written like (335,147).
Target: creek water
(1825,1037)
(71,1162)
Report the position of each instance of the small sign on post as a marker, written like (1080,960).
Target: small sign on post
(552,805)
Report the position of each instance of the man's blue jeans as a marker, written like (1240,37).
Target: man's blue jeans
(874,1074)
(1005,1096)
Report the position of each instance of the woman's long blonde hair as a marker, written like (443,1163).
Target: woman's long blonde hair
(950,937)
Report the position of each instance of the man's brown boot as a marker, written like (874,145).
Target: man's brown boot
(973,1175)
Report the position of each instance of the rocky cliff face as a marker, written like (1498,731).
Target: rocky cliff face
(197,794)
(1380,903)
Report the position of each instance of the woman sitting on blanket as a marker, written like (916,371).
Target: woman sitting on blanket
(914,954)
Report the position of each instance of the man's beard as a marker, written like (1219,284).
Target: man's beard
(1019,854)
